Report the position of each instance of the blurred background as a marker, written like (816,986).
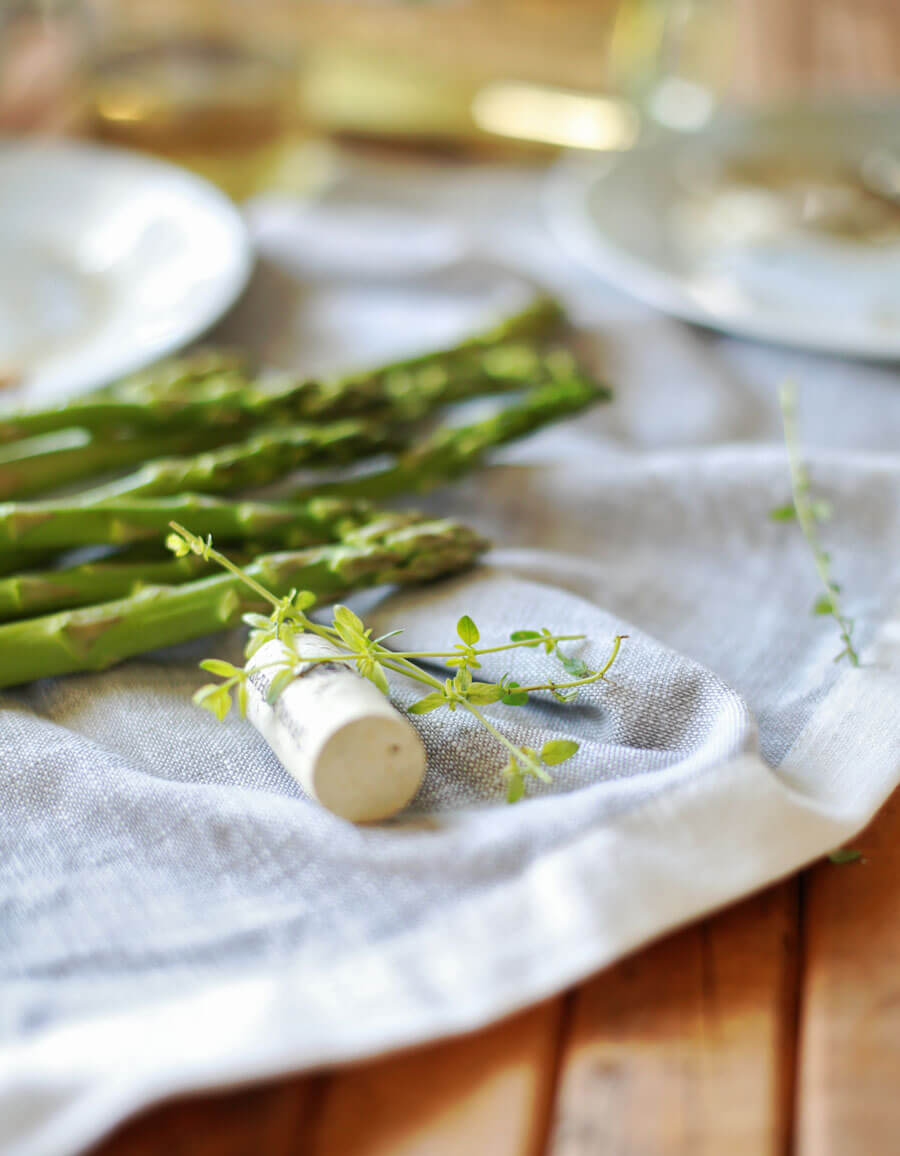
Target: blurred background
(761,128)
(241,89)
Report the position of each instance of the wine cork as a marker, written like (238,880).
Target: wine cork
(336,733)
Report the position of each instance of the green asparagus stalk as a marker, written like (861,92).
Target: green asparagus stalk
(44,591)
(454,450)
(29,594)
(36,465)
(64,526)
(494,359)
(502,357)
(261,459)
(199,371)
(96,637)
(204,370)
(397,393)
(223,400)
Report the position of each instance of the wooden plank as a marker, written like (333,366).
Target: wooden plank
(849,1076)
(687,1048)
(484,1093)
(490,1091)
(268,1120)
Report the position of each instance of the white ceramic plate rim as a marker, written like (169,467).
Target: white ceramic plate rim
(200,196)
(567,197)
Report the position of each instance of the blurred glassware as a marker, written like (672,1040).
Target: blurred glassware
(448,75)
(201,85)
(42,53)
(758,63)
(501,77)
(763,192)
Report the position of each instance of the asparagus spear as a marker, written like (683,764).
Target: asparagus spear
(96,637)
(261,459)
(405,388)
(36,465)
(540,317)
(64,526)
(453,450)
(43,591)
(398,394)
(202,370)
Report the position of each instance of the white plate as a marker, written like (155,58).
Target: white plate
(108,260)
(634,219)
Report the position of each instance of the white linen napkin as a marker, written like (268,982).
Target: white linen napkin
(175,915)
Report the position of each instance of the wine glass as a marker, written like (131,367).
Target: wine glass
(206,85)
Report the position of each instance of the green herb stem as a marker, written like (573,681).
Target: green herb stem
(805,509)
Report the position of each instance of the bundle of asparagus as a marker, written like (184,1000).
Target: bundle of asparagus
(179,426)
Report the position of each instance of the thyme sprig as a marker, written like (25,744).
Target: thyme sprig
(809,512)
(288,621)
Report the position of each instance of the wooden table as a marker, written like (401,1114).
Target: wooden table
(771,1029)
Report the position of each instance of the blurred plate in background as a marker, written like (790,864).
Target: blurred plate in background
(782,225)
(108,261)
